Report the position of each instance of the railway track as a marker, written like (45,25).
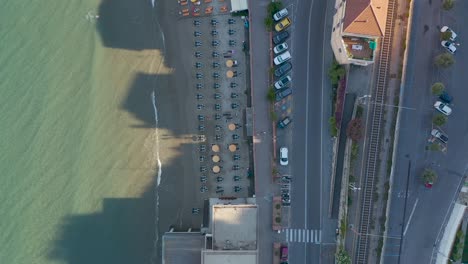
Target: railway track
(362,249)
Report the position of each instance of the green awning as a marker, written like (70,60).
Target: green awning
(372,45)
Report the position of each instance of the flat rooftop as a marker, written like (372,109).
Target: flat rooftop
(234,227)
(229,257)
(182,248)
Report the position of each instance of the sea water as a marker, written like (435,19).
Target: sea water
(77,131)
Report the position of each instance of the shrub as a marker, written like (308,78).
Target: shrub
(447,4)
(333,128)
(444,60)
(278,219)
(434,147)
(445,35)
(271,95)
(336,72)
(278,206)
(437,88)
(269,23)
(439,120)
(340,101)
(359,111)
(429,176)
(354,129)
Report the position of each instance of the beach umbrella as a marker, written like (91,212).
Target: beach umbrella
(215,148)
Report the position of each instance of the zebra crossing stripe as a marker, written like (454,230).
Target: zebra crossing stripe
(303,235)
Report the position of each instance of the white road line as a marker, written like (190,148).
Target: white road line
(307,232)
(320,236)
(411,216)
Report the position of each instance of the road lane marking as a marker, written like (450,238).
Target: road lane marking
(411,216)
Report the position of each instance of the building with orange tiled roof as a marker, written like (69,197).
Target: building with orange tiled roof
(357,26)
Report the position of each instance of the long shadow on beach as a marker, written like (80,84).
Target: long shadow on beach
(124,231)
(128,25)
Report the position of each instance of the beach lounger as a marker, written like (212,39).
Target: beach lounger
(223,9)
(183,2)
(186,10)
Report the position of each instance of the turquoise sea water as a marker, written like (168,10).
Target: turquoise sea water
(77,162)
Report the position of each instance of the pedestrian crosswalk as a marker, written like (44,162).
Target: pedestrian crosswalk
(302,235)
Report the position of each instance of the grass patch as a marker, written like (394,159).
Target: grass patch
(333,128)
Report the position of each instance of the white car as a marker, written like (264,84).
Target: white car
(284,156)
(443,108)
(449,46)
(441,136)
(280,48)
(280,14)
(282,58)
(445,29)
(281,83)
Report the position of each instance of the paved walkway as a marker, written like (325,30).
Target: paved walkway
(260,43)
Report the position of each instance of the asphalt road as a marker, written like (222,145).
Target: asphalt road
(427,209)
(311,53)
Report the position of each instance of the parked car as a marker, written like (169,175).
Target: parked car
(284,122)
(446,98)
(280,14)
(280,48)
(283,156)
(283,69)
(443,108)
(439,135)
(284,253)
(281,37)
(281,83)
(282,58)
(449,46)
(445,29)
(283,94)
(283,24)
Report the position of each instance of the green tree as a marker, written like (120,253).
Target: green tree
(336,72)
(447,4)
(269,23)
(444,60)
(437,88)
(439,120)
(429,176)
(342,257)
(274,7)
(271,95)
(445,35)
